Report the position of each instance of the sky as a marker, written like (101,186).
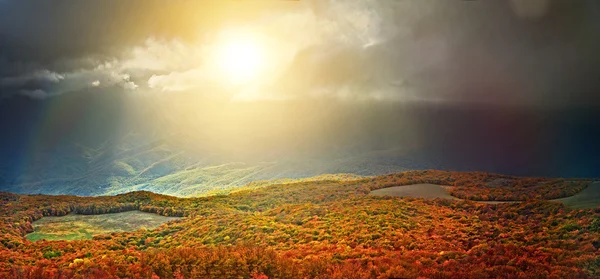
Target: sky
(532,52)
(310,75)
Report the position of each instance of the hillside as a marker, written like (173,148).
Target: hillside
(155,145)
(315,229)
(168,166)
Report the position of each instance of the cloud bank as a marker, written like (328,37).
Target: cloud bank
(517,52)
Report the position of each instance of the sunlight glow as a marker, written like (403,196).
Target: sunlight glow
(240,58)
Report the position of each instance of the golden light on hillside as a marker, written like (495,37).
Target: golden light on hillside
(240,57)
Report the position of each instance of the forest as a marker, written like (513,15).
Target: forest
(321,229)
(482,186)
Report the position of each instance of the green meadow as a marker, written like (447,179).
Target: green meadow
(75,226)
(588,198)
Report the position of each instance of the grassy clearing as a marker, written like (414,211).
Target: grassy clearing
(428,191)
(74,226)
(588,198)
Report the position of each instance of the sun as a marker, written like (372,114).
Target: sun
(240,59)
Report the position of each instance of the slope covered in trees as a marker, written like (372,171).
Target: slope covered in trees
(482,186)
(320,229)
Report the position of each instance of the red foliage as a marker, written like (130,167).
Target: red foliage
(481,186)
(312,230)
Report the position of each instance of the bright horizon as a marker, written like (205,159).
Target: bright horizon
(271,89)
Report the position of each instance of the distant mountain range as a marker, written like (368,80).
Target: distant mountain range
(101,144)
(133,164)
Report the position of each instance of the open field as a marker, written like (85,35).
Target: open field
(75,226)
(588,198)
(428,191)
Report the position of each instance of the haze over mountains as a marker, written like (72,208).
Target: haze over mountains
(116,143)
(192,97)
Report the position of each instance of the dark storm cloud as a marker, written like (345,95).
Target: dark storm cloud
(47,31)
(532,52)
(43,39)
(73,39)
(487,51)
(507,55)
(520,52)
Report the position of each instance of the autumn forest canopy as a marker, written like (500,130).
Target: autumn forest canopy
(321,229)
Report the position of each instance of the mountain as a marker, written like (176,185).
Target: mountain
(108,143)
(136,163)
